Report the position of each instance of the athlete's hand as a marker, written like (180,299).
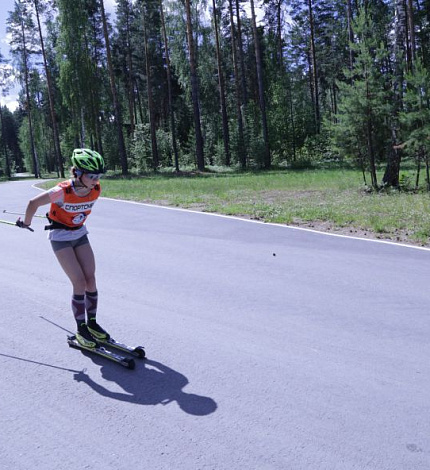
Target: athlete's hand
(21,224)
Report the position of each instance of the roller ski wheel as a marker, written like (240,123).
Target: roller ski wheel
(129,363)
(139,352)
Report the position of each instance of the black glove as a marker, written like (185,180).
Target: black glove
(21,224)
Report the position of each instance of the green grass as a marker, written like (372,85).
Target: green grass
(332,200)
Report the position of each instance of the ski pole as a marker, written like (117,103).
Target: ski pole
(21,213)
(14,223)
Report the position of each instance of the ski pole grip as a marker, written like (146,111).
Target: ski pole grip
(21,224)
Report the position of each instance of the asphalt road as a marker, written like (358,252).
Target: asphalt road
(268,348)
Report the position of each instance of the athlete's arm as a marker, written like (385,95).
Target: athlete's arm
(33,205)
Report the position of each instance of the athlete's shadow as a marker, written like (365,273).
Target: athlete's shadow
(151,383)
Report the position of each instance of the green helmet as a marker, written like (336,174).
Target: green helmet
(88,161)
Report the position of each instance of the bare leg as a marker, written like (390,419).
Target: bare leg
(85,256)
(79,265)
(71,266)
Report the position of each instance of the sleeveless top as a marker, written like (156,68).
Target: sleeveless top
(71,210)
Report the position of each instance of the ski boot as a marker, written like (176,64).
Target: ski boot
(84,337)
(96,331)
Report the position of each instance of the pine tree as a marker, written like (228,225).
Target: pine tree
(40,7)
(194,88)
(261,90)
(145,20)
(241,145)
(114,92)
(5,82)
(124,51)
(169,86)
(23,45)
(401,52)
(361,128)
(415,120)
(79,83)
(240,51)
(225,129)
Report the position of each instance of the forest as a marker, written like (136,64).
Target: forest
(167,85)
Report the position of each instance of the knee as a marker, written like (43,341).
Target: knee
(78,284)
(90,282)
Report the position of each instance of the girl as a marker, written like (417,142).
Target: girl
(71,203)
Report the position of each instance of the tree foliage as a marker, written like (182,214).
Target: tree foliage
(197,83)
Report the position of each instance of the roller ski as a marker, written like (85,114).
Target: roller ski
(101,351)
(104,338)
(93,338)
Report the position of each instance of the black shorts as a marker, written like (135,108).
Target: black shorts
(56,246)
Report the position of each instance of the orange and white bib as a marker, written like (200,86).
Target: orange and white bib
(68,208)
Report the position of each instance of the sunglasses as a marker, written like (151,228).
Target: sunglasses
(93,176)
